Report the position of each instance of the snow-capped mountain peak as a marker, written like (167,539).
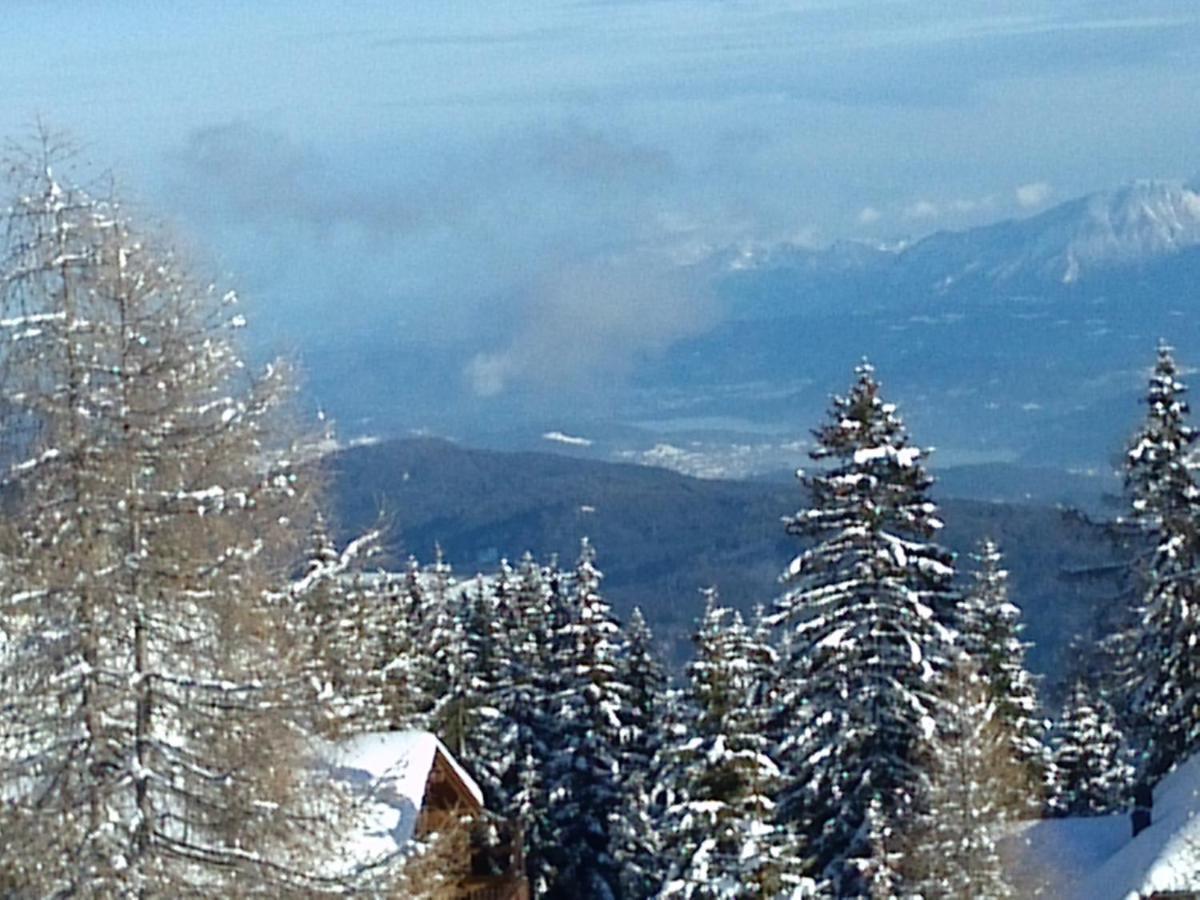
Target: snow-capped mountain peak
(1132,224)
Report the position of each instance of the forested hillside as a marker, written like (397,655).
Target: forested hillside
(662,537)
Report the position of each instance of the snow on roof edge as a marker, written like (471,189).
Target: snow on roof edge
(468,782)
(384,753)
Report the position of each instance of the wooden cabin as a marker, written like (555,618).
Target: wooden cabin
(421,788)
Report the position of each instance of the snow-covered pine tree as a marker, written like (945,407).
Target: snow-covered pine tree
(531,706)
(990,629)
(1091,771)
(443,685)
(584,765)
(952,847)
(1163,672)
(504,601)
(418,642)
(403,647)
(532,624)
(484,741)
(637,840)
(764,657)
(149,734)
(336,617)
(719,835)
(531,685)
(866,635)
(530,810)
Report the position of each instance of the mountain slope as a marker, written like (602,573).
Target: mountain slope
(1134,225)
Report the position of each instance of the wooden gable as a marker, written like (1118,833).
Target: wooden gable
(447,796)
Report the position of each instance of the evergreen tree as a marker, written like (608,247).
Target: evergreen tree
(720,838)
(335,617)
(445,684)
(504,600)
(485,742)
(584,766)
(1091,772)
(953,846)
(637,842)
(371,619)
(990,629)
(149,733)
(1163,670)
(532,706)
(866,636)
(403,650)
(764,658)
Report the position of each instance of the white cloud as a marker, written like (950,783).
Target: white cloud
(489,373)
(807,236)
(973,205)
(1033,194)
(927,210)
(869,216)
(922,209)
(587,321)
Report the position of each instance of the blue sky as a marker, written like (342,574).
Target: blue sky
(449,168)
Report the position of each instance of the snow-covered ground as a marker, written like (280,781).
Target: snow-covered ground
(1098,859)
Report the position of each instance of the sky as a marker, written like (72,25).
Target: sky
(524,179)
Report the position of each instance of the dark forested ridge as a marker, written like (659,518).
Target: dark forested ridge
(662,536)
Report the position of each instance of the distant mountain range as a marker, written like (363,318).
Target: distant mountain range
(1136,225)
(1132,227)
(1023,343)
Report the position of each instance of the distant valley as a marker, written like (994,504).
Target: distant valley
(1020,344)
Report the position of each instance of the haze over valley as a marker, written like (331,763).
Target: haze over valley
(668,228)
(1018,346)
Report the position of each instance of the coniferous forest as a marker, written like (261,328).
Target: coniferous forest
(179,625)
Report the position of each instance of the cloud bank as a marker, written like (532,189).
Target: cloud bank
(541,257)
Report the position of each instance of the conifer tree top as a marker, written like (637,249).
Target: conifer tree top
(1157,473)
(861,422)
(876,481)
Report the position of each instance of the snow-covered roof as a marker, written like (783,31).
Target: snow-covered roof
(389,771)
(1098,859)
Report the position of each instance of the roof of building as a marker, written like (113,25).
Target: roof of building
(389,772)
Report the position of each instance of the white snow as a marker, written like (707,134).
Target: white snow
(1096,858)
(387,773)
(570,440)
(904,457)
